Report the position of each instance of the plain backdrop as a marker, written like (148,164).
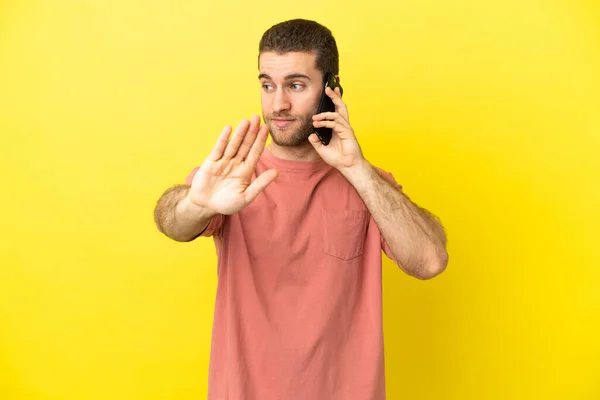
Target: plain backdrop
(487,112)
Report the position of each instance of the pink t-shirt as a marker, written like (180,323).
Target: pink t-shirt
(298,313)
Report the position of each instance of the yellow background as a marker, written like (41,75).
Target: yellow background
(487,112)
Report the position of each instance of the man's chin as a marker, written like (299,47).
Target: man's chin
(288,141)
(287,137)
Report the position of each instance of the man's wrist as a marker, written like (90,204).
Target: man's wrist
(193,210)
(360,175)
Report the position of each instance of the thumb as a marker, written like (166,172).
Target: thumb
(315,141)
(259,184)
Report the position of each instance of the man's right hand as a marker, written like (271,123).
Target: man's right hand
(223,184)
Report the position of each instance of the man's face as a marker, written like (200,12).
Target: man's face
(291,88)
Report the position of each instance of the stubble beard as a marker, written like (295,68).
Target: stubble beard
(292,136)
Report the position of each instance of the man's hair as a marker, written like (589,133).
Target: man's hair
(303,36)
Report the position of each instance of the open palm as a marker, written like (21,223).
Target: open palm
(224,183)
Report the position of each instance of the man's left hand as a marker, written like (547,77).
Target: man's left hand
(343,151)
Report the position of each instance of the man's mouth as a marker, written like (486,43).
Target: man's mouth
(282,122)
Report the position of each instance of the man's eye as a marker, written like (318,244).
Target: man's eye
(267,87)
(297,86)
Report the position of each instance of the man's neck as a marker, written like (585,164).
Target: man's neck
(304,152)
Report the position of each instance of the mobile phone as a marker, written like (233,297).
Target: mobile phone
(326,105)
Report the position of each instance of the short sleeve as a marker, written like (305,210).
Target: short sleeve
(214,226)
(216,223)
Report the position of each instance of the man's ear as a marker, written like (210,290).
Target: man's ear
(337,78)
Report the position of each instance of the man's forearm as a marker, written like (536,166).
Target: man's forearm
(178,218)
(415,237)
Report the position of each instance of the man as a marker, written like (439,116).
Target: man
(299,229)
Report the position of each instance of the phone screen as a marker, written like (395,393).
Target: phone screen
(326,105)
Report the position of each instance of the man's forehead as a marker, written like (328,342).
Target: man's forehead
(282,64)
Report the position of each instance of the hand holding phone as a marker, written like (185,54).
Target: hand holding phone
(326,105)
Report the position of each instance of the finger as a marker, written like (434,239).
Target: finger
(331,116)
(259,145)
(336,98)
(217,151)
(249,138)
(327,124)
(259,184)
(315,141)
(236,139)
(342,131)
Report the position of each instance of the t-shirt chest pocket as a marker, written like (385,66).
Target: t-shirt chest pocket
(344,232)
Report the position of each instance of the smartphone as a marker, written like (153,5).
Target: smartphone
(326,105)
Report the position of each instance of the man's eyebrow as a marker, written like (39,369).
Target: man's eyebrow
(287,78)
(296,76)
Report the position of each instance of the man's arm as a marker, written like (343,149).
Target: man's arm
(222,185)
(178,218)
(415,237)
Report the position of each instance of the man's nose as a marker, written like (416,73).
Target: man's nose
(281,102)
